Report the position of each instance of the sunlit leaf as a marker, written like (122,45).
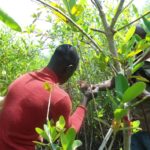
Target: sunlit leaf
(133,91)
(146,23)
(148,37)
(135,125)
(60,124)
(39,131)
(9,21)
(76,144)
(133,53)
(130,33)
(68,138)
(60,16)
(107,59)
(140,78)
(66,3)
(142,44)
(77,10)
(137,66)
(42,133)
(83,2)
(48,86)
(72,3)
(121,84)
(119,51)
(120,113)
(57,6)
(135,10)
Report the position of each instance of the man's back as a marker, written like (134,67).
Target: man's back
(25,108)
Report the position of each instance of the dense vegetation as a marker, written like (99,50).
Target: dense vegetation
(103,54)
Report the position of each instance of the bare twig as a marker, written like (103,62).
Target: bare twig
(107,137)
(147,97)
(108,84)
(102,121)
(69,20)
(118,12)
(133,21)
(112,141)
(143,57)
(102,14)
(127,5)
(97,30)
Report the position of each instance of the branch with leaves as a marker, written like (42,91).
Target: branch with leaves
(69,20)
(133,22)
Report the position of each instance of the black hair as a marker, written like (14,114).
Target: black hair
(140,32)
(65,55)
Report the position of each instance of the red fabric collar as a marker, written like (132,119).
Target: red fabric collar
(50,73)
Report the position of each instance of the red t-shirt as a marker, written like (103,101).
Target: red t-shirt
(26,107)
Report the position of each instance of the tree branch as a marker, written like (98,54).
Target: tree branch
(118,12)
(133,21)
(107,137)
(127,5)
(69,20)
(109,34)
(145,96)
(145,56)
(102,14)
(97,30)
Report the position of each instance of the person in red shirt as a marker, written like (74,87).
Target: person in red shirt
(26,102)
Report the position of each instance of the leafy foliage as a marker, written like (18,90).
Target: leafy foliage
(52,133)
(9,21)
(18,56)
(95,65)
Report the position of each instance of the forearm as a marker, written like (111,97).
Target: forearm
(108,84)
(84,102)
(78,116)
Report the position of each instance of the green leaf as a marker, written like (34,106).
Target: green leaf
(47,132)
(60,16)
(54,134)
(135,125)
(39,131)
(60,124)
(133,91)
(137,66)
(119,113)
(66,5)
(135,10)
(72,3)
(63,141)
(121,84)
(68,138)
(83,2)
(146,23)
(47,86)
(133,53)
(148,37)
(57,6)
(77,10)
(42,133)
(140,78)
(76,144)
(9,21)
(129,34)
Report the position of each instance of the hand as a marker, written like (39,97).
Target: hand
(89,91)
